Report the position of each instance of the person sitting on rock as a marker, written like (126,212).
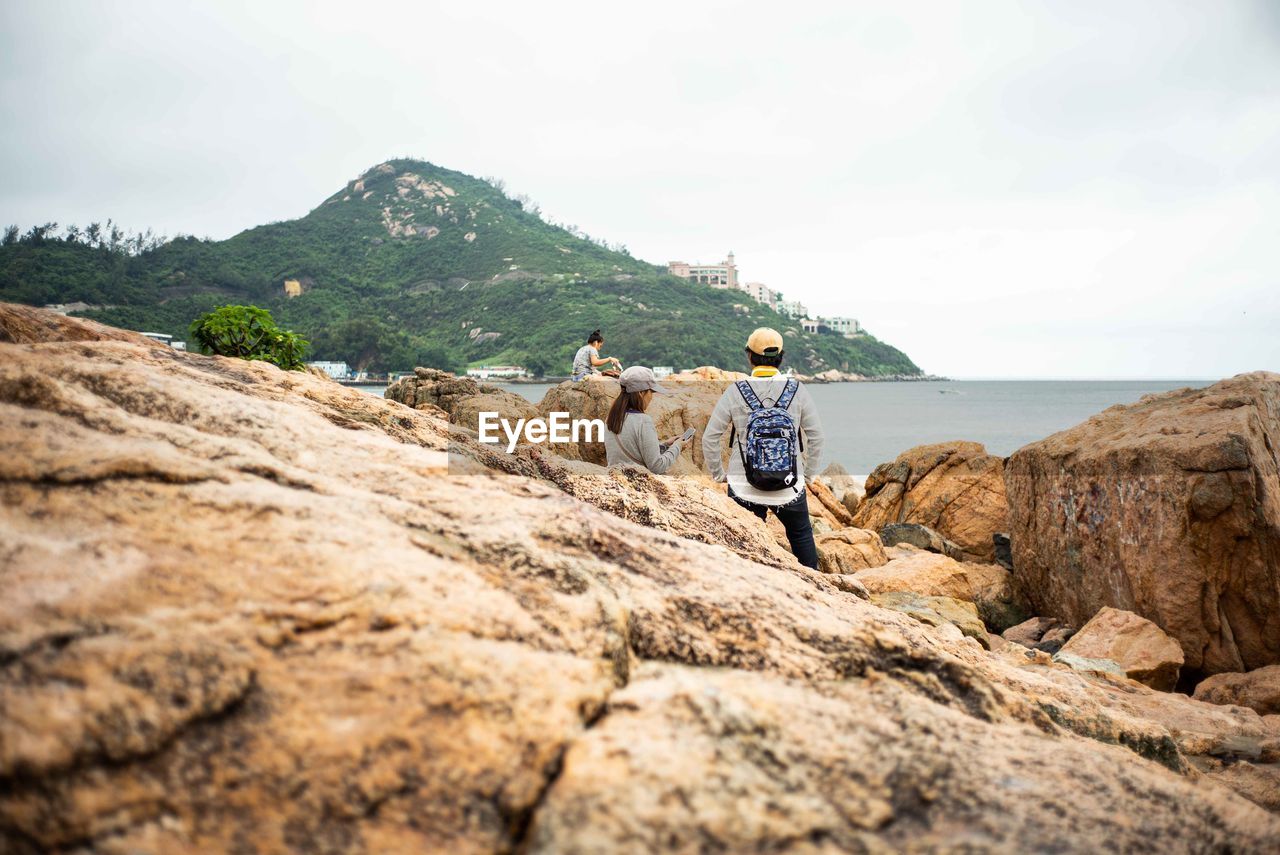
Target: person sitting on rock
(588,357)
(775,439)
(630,438)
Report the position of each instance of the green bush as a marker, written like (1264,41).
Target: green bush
(248,332)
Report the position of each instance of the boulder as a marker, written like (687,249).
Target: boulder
(1258,690)
(955,488)
(1029,632)
(1168,508)
(707,372)
(936,611)
(244,604)
(842,485)
(1093,665)
(921,537)
(849,550)
(1053,639)
(988,586)
(508,405)
(1138,646)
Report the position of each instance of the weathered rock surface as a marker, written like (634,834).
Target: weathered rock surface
(935,611)
(1029,632)
(988,586)
(955,488)
(462,398)
(1138,646)
(1169,508)
(247,609)
(849,550)
(921,537)
(1259,690)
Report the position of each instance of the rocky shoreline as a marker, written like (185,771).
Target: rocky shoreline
(252,610)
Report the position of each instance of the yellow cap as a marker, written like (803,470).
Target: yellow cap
(765,342)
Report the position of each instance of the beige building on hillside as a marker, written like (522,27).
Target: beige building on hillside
(722,275)
(761,293)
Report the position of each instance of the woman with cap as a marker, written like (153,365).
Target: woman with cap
(631,438)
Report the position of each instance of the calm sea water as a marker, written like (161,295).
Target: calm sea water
(870,423)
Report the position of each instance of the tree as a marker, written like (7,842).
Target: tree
(11,235)
(93,234)
(250,333)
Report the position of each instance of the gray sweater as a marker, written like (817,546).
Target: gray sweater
(637,445)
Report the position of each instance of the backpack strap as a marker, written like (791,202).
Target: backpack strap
(749,395)
(788,393)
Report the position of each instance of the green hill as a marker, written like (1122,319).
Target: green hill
(411,264)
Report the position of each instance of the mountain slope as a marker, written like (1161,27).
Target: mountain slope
(410,263)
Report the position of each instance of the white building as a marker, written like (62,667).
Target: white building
(847,327)
(792,309)
(809,325)
(661,371)
(489,372)
(336,370)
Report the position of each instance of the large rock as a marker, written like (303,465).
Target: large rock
(1259,690)
(1137,645)
(462,398)
(936,611)
(247,609)
(1169,508)
(1030,631)
(849,550)
(955,488)
(921,537)
(988,586)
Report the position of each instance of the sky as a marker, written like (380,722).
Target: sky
(1002,189)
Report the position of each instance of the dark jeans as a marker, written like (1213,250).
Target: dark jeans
(794,517)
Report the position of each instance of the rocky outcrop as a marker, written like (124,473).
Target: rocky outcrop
(249,609)
(988,586)
(955,488)
(1259,690)
(1143,652)
(849,550)
(920,537)
(939,612)
(1169,508)
(461,398)
(26,325)
(1030,631)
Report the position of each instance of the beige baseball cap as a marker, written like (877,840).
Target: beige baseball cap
(765,341)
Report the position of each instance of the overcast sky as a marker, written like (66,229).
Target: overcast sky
(1001,189)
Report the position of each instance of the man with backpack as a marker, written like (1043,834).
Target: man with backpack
(773,433)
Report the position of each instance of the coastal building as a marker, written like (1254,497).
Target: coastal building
(722,275)
(661,371)
(809,325)
(792,309)
(761,293)
(336,370)
(847,327)
(489,372)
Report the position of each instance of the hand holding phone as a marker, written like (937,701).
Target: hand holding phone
(688,434)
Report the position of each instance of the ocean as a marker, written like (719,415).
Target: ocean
(870,423)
